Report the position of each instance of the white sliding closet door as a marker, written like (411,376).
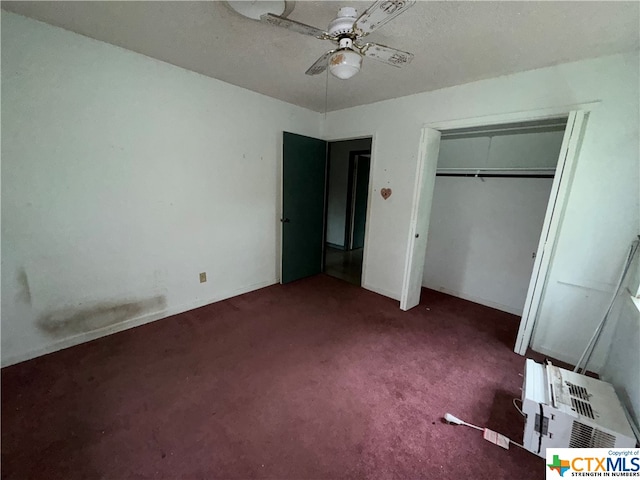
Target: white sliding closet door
(420,214)
(553,216)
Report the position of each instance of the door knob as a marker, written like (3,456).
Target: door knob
(417,235)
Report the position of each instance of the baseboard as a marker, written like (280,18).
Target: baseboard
(381,291)
(481,301)
(127,324)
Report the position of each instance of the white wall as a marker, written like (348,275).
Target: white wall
(623,359)
(338,186)
(481,238)
(601,217)
(122,178)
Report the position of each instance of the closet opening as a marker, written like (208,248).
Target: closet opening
(491,193)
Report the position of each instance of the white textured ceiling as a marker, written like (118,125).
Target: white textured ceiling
(453,42)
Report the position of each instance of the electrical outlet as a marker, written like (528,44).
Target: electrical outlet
(203,277)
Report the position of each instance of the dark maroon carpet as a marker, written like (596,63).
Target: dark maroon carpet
(316,379)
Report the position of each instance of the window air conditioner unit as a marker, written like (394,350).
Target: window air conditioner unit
(564,409)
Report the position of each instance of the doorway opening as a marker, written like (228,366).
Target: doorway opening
(324,194)
(347,195)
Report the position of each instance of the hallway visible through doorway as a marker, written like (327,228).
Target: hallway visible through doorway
(349,163)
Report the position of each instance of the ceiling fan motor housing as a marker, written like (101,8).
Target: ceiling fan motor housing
(343,23)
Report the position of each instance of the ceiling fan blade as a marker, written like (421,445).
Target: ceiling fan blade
(320,65)
(382,53)
(294,26)
(378,14)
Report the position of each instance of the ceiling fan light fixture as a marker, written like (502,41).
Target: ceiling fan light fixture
(344,64)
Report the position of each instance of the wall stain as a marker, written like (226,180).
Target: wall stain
(24,291)
(67,321)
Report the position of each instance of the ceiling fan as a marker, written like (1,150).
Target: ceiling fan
(346,31)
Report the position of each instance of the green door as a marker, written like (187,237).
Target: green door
(303,179)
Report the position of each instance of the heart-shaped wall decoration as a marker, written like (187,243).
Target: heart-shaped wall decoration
(385,192)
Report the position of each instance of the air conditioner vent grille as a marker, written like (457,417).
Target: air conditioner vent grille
(603,440)
(583,408)
(584,436)
(580,435)
(578,391)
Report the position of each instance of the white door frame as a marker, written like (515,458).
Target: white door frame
(576,115)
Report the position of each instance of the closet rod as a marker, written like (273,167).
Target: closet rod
(494,169)
(494,175)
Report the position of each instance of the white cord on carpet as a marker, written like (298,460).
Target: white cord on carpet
(456,421)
